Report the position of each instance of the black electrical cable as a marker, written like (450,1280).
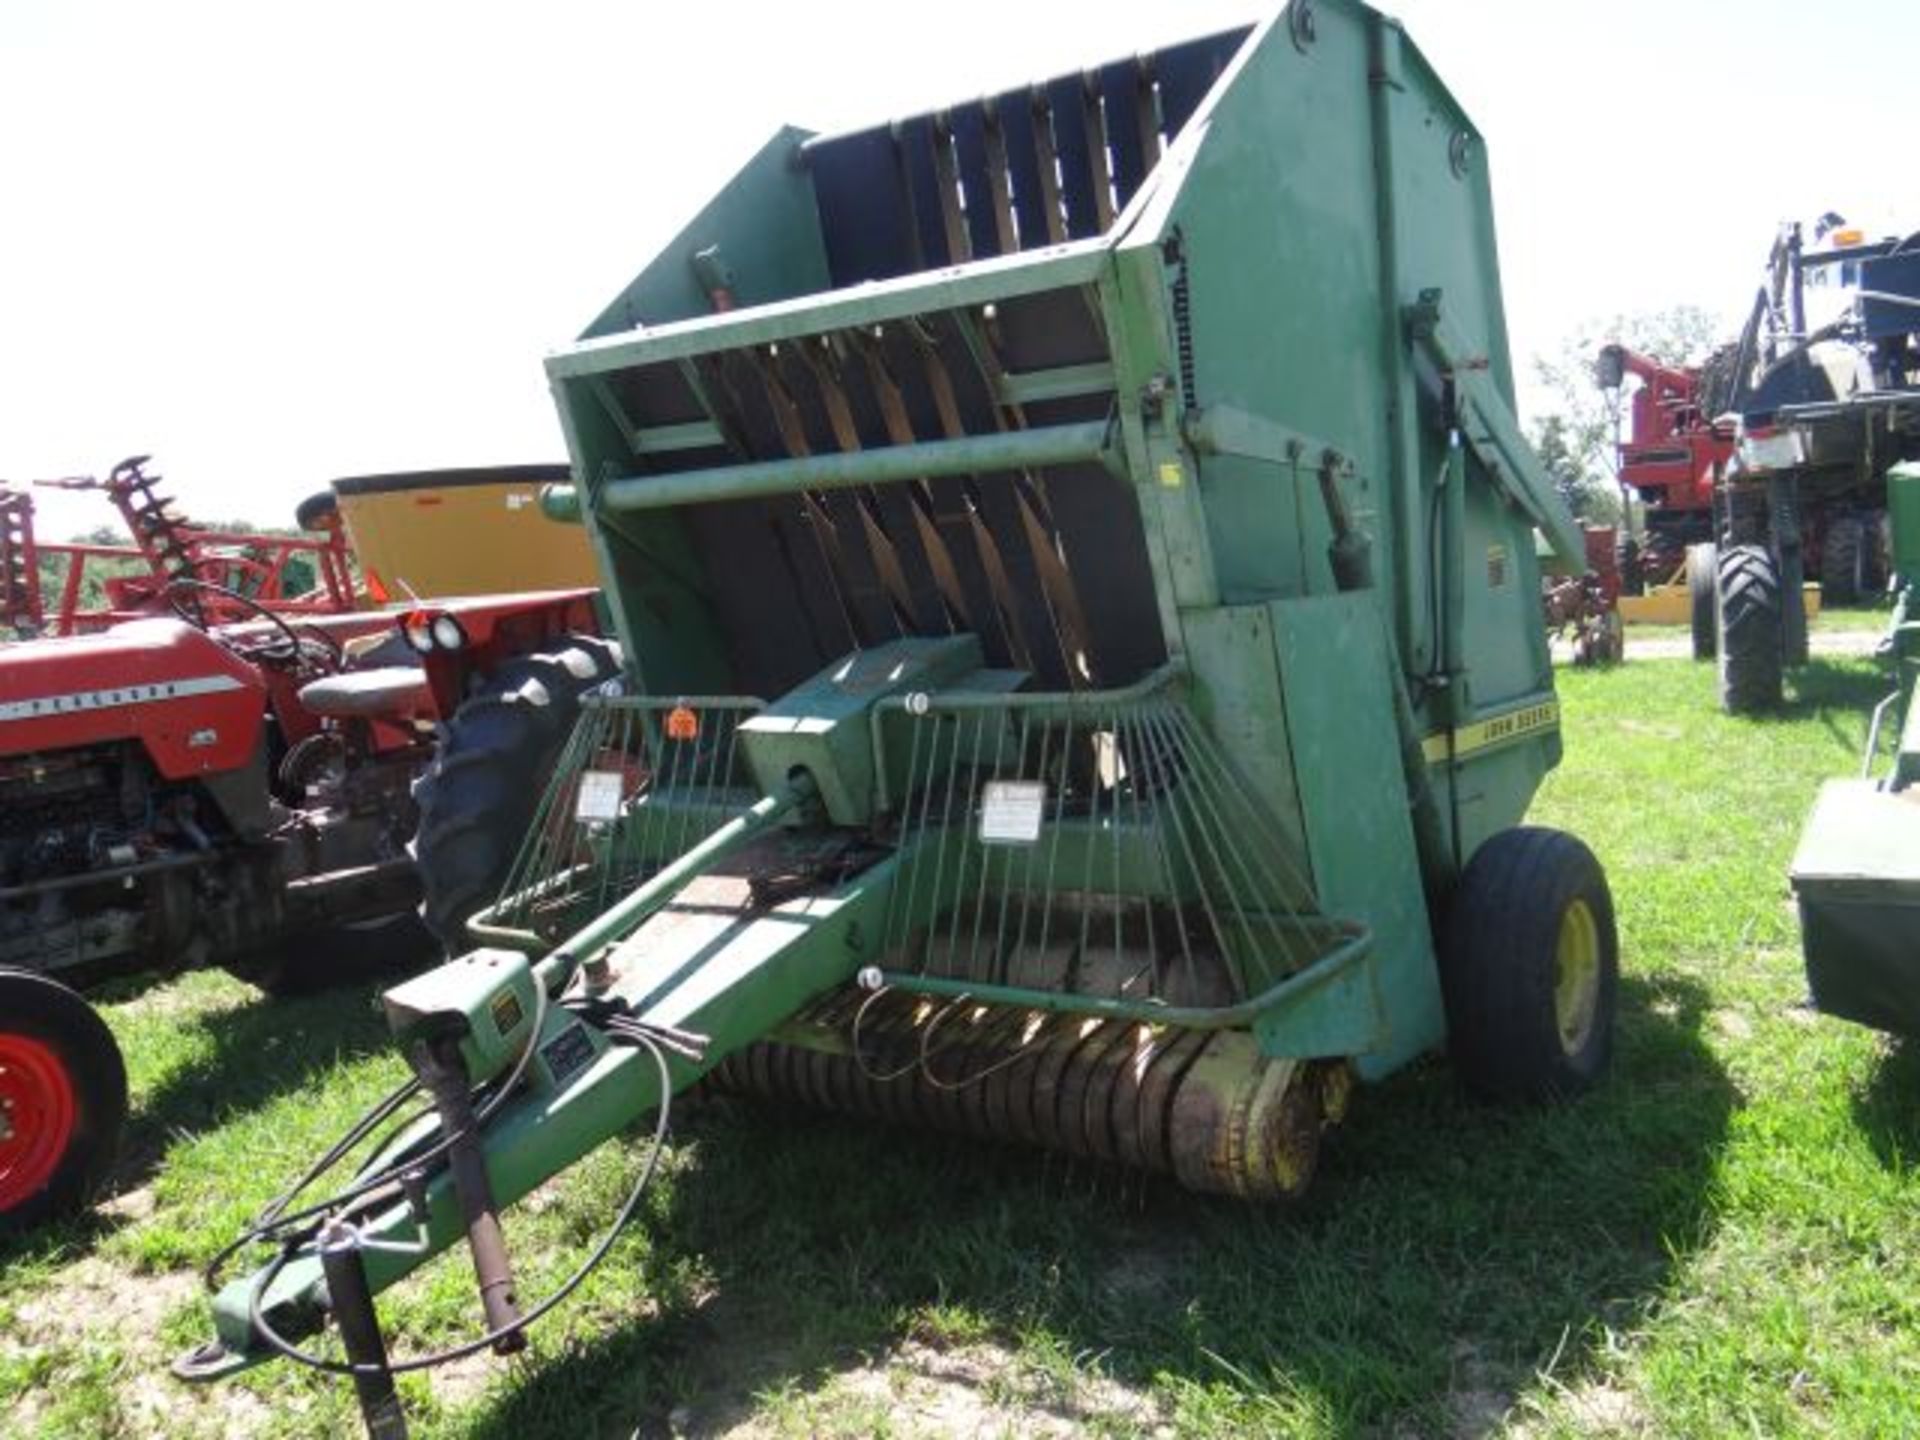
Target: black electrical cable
(271,1225)
(1437,666)
(256,1318)
(274,1215)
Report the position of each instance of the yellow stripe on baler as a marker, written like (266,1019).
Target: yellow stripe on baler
(1494,730)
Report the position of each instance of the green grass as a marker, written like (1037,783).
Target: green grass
(1725,1239)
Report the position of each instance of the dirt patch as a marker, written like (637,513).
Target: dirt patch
(1680,647)
(96,1308)
(1604,1409)
(1477,1402)
(1597,1408)
(924,1392)
(130,1205)
(96,1299)
(1733,1024)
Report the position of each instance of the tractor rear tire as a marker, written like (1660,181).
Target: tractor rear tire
(1843,561)
(1752,631)
(1702,572)
(63,1100)
(1530,968)
(1626,559)
(308,962)
(498,751)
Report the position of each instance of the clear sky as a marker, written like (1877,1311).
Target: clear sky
(273,244)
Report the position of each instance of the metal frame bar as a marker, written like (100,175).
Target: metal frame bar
(979,282)
(1357,946)
(1087,441)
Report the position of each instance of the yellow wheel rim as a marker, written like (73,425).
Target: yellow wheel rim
(1576,976)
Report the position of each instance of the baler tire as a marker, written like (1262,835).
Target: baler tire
(71,1060)
(1843,552)
(1702,572)
(477,798)
(1752,632)
(1531,918)
(312,961)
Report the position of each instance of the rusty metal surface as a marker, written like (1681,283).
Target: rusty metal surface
(1207,1109)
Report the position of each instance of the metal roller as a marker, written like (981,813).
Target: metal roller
(1207,1109)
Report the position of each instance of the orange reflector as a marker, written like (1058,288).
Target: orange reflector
(376,591)
(682,724)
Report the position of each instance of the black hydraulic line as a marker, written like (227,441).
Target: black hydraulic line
(272,1226)
(257,1320)
(275,1213)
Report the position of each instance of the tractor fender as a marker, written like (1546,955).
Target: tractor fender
(500,629)
(192,704)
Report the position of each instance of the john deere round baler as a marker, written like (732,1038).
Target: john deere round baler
(1074,555)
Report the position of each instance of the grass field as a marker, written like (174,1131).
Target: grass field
(1724,1240)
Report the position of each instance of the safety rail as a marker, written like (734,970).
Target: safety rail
(643,780)
(1097,846)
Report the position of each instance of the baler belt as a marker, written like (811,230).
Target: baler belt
(999,185)
(799,544)
(1010,567)
(947,188)
(913,598)
(836,518)
(1035,515)
(951,535)
(912,146)
(1095,123)
(1033,166)
(1066,98)
(893,415)
(1048,161)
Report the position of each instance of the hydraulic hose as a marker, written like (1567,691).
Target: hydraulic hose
(276,1219)
(257,1319)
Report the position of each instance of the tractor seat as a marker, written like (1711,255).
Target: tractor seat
(388,692)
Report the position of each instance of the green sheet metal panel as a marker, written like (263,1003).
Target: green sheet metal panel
(824,726)
(1903,507)
(658,599)
(1856,876)
(1506,645)
(1236,673)
(1333,659)
(768,232)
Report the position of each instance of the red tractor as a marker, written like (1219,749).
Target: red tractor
(301,799)
(1674,456)
(1584,609)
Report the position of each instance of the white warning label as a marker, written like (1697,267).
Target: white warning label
(599,797)
(1011,811)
